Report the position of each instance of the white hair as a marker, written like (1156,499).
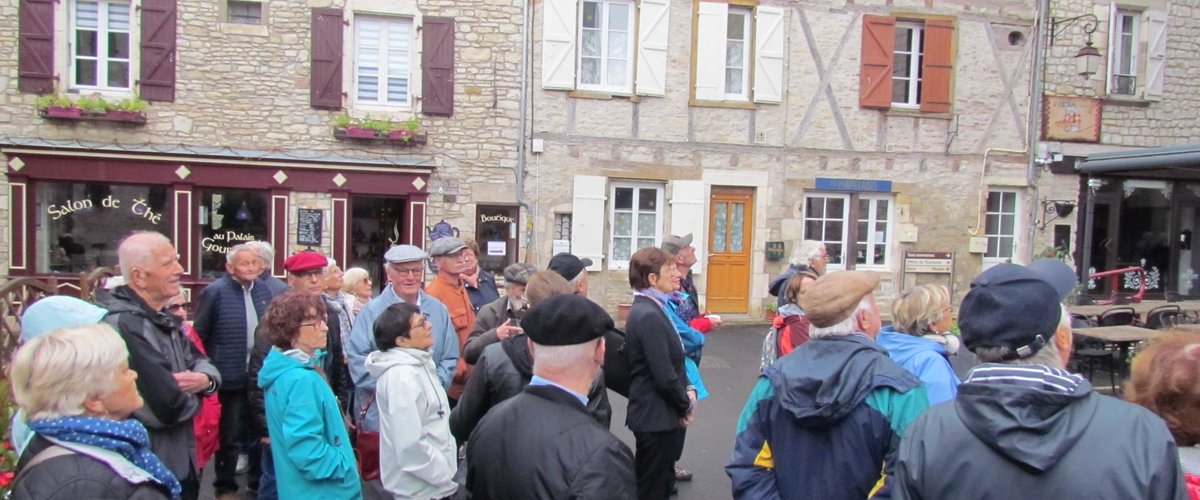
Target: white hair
(332,263)
(239,248)
(137,250)
(353,277)
(848,326)
(263,250)
(574,282)
(1048,355)
(53,375)
(805,252)
(562,357)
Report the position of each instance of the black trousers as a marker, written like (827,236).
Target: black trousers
(235,420)
(654,463)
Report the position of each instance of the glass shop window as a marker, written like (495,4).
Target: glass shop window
(80,224)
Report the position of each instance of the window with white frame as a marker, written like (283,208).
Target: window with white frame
(907,63)
(100,45)
(838,219)
(1123,76)
(637,218)
(605,45)
(737,53)
(383,60)
(873,230)
(825,220)
(1001,224)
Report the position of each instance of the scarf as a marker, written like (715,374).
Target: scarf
(125,437)
(661,298)
(471,279)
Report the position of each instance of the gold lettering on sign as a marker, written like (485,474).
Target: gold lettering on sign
(496,218)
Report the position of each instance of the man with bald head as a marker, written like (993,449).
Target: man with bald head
(172,373)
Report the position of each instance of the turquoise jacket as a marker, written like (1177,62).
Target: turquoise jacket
(924,358)
(693,345)
(309,443)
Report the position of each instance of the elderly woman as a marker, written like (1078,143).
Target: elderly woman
(417,456)
(357,282)
(78,391)
(661,400)
(808,259)
(1163,379)
(916,339)
(481,285)
(336,298)
(309,443)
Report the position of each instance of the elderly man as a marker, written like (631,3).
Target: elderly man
(266,260)
(824,420)
(226,318)
(809,258)
(1024,427)
(543,443)
(573,269)
(452,257)
(171,371)
(500,319)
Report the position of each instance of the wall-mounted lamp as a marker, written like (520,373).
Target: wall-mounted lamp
(1087,59)
(1055,209)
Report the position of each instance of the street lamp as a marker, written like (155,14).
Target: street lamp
(1087,59)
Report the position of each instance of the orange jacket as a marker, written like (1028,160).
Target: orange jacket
(453,294)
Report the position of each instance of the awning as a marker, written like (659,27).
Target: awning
(1168,162)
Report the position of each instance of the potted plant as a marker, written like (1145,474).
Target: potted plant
(352,127)
(57,106)
(405,130)
(380,128)
(93,104)
(128,110)
(772,309)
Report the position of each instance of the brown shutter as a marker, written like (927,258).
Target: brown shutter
(875,76)
(326,85)
(157,82)
(938,70)
(36,54)
(437,66)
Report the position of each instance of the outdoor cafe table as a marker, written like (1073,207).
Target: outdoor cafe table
(1141,308)
(1123,336)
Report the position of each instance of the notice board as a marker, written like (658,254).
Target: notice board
(308,226)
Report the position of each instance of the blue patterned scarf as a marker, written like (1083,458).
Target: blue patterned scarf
(126,437)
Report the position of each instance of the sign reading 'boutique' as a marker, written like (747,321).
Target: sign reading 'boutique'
(139,207)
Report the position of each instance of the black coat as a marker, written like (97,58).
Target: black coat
(658,389)
(77,476)
(544,444)
(221,324)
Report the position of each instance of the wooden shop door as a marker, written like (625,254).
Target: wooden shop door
(731,215)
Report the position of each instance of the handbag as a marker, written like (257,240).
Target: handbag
(366,447)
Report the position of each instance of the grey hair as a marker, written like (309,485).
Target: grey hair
(805,252)
(353,277)
(239,248)
(574,282)
(53,375)
(137,250)
(1048,355)
(562,357)
(263,250)
(848,326)
(332,263)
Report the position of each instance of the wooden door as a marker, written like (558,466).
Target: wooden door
(730,217)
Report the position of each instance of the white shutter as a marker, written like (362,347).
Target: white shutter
(711,25)
(1156,53)
(653,26)
(1110,84)
(769,31)
(587,218)
(687,216)
(558,44)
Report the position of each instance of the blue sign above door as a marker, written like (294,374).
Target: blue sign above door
(858,185)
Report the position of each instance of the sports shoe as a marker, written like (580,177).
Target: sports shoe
(243,464)
(682,474)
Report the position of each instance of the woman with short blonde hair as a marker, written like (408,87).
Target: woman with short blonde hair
(918,339)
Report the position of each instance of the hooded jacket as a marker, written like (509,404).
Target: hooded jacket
(417,456)
(311,448)
(1019,441)
(924,358)
(823,421)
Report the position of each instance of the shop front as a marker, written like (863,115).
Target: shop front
(69,208)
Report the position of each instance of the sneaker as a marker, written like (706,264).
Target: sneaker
(243,464)
(682,474)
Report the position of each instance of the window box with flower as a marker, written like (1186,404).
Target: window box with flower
(402,133)
(92,107)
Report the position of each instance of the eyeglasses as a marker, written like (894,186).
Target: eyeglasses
(412,271)
(178,307)
(315,322)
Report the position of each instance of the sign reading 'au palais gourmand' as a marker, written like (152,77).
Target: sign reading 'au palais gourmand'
(222,242)
(138,207)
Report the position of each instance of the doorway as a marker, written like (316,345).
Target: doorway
(731,215)
(496,234)
(376,223)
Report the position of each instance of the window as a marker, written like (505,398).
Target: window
(636,220)
(1124,53)
(827,219)
(737,53)
(906,70)
(229,217)
(382,65)
(1137,55)
(100,45)
(1001,225)
(80,223)
(605,45)
(244,12)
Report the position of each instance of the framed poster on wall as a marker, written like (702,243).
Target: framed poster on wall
(1075,119)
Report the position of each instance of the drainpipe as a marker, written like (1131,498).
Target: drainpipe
(1035,113)
(521,124)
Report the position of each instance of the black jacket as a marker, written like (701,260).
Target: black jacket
(658,387)
(221,324)
(158,349)
(336,371)
(543,444)
(997,440)
(502,373)
(485,293)
(77,476)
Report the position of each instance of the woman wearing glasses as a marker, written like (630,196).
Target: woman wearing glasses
(417,455)
(309,443)
(918,339)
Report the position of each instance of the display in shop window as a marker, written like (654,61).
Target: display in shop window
(229,217)
(80,224)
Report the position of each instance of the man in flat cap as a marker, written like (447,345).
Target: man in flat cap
(543,443)
(1024,427)
(500,318)
(451,257)
(573,269)
(823,421)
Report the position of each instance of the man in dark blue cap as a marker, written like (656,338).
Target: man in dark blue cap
(1024,427)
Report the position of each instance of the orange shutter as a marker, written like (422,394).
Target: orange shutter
(875,77)
(938,70)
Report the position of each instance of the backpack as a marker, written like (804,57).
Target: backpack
(617,371)
(786,334)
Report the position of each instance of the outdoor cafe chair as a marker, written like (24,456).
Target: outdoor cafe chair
(1163,316)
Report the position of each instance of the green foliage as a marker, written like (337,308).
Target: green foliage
(134,104)
(772,306)
(52,101)
(341,120)
(381,126)
(93,104)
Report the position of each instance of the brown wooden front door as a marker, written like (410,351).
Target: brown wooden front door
(730,217)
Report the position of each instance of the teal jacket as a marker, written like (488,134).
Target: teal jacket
(309,443)
(924,358)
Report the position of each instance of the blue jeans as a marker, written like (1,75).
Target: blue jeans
(266,485)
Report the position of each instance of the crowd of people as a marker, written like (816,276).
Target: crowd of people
(447,388)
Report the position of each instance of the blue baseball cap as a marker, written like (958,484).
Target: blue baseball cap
(57,312)
(1015,306)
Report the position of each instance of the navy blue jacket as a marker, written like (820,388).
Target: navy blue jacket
(221,324)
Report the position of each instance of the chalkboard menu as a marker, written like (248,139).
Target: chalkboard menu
(308,226)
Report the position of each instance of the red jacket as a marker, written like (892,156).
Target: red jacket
(208,421)
(1193,485)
